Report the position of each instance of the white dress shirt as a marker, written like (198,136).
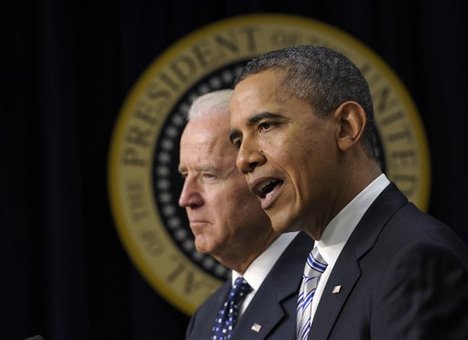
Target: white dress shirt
(261,266)
(338,231)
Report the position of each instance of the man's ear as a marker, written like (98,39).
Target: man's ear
(351,119)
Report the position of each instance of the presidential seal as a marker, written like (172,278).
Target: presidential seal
(144,184)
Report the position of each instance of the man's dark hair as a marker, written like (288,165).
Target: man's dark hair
(321,76)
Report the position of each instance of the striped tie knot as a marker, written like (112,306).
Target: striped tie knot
(314,267)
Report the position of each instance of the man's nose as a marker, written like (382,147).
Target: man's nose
(190,195)
(249,157)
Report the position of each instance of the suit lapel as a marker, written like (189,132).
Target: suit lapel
(345,274)
(346,271)
(210,312)
(257,322)
(277,295)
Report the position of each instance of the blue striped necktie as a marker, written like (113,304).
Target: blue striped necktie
(227,316)
(314,267)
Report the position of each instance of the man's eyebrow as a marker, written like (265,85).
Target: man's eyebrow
(209,166)
(236,133)
(263,115)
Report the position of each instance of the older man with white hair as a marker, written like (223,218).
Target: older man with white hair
(229,224)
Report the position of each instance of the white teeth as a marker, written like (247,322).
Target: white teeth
(267,196)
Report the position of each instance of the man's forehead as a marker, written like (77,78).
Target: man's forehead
(216,163)
(209,146)
(255,93)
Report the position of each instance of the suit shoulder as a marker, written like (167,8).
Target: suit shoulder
(213,299)
(414,225)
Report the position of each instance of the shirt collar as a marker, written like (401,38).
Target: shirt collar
(261,266)
(338,231)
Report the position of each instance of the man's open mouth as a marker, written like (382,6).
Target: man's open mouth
(265,187)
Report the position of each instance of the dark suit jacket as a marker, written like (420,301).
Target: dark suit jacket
(273,306)
(403,275)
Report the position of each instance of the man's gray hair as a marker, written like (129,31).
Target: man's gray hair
(212,103)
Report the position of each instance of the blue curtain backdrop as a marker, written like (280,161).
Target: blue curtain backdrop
(66,67)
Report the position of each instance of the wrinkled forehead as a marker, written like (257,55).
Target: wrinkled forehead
(207,138)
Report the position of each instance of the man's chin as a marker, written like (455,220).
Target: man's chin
(281,224)
(201,247)
(204,247)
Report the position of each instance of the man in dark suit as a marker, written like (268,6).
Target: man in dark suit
(302,120)
(229,224)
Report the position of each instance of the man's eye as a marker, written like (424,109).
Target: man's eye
(208,176)
(265,126)
(237,142)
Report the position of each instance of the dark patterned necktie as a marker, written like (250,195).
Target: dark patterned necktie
(314,267)
(227,316)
